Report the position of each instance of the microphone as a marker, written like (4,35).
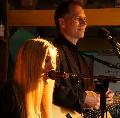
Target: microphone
(52,74)
(115,44)
(107,33)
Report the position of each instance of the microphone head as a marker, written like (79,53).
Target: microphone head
(105,33)
(51,74)
(105,30)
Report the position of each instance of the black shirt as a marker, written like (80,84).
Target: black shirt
(70,92)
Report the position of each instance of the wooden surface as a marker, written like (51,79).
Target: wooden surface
(103,16)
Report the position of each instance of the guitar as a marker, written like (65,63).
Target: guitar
(60,112)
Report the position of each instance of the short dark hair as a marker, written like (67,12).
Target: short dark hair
(63,9)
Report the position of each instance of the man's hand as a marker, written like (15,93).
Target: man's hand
(92,99)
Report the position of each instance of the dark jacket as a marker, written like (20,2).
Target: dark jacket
(70,92)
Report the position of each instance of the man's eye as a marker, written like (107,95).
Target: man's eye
(80,19)
(77,18)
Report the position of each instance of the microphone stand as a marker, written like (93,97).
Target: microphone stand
(104,84)
(116,47)
(115,44)
(103,88)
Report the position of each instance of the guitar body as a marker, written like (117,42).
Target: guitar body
(108,115)
(60,112)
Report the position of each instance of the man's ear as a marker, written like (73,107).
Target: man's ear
(61,22)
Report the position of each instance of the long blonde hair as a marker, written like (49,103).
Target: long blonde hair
(29,74)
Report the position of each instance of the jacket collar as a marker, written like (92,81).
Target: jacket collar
(62,40)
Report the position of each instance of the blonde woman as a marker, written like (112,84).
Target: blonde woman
(35,58)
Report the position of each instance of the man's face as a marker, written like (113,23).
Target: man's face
(74,23)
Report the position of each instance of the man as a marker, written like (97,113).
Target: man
(74,93)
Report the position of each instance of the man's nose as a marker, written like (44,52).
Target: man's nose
(83,22)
